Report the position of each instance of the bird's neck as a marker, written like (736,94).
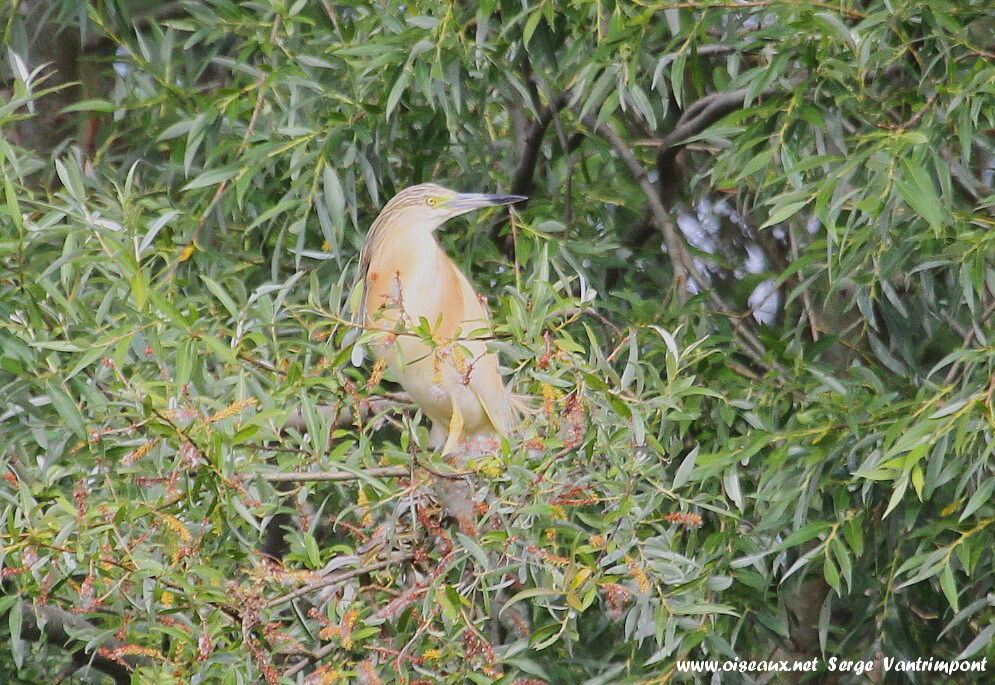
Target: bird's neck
(415,261)
(418,249)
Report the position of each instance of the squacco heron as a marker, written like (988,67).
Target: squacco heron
(410,283)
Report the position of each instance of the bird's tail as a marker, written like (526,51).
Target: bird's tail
(526,405)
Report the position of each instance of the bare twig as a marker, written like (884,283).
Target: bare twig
(704,112)
(337,578)
(806,296)
(344,416)
(321,476)
(585,311)
(220,191)
(702,51)
(444,565)
(458,475)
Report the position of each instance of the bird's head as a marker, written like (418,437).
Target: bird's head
(433,205)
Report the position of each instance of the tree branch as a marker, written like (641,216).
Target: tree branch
(521,179)
(336,578)
(679,257)
(58,626)
(320,476)
(697,117)
(345,416)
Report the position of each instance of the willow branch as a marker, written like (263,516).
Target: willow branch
(322,476)
(700,115)
(521,180)
(680,258)
(59,627)
(345,416)
(339,578)
(336,578)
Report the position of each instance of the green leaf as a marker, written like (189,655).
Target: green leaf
(896,496)
(211,177)
(530,26)
(15,620)
(67,409)
(396,91)
(684,471)
(311,549)
(982,495)
(918,191)
(983,639)
(782,213)
(949,587)
(90,106)
(832,575)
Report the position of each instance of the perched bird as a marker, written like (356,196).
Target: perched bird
(408,283)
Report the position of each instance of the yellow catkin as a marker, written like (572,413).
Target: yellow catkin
(167,598)
(140,452)
(430,654)
(327,675)
(436,368)
(557,560)
(491,468)
(377,374)
(638,574)
(459,361)
(554,559)
(549,397)
(361,501)
(175,525)
(345,631)
(232,409)
(138,650)
(303,576)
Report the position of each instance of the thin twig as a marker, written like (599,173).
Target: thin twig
(458,475)
(322,476)
(680,259)
(343,416)
(337,578)
(219,192)
(706,111)
(586,311)
(806,296)
(342,577)
(59,627)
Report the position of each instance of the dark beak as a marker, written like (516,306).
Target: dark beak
(467,202)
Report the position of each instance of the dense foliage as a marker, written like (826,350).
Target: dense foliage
(750,295)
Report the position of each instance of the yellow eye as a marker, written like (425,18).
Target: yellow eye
(432,201)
